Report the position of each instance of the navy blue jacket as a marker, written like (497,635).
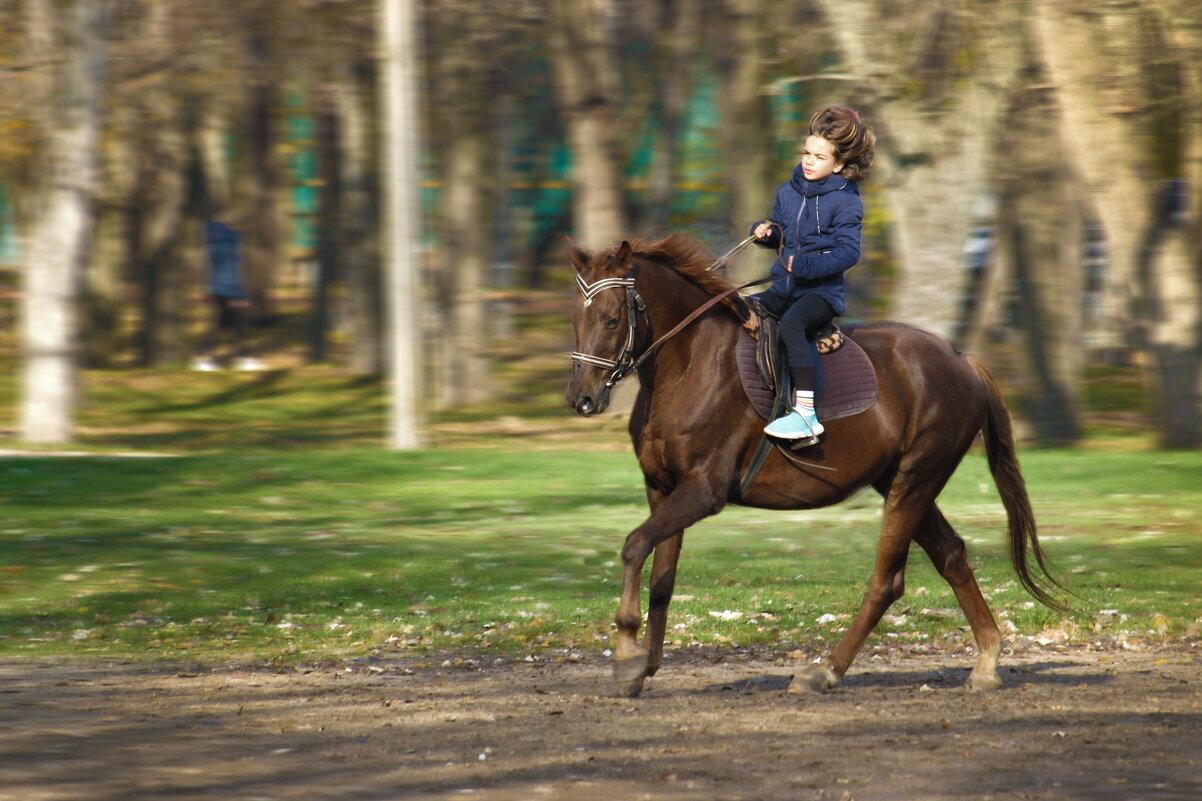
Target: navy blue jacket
(820,221)
(224,272)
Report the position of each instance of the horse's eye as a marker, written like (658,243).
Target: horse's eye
(612,322)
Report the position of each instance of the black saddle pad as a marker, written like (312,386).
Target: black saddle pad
(849,384)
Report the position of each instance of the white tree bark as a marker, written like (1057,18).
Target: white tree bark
(400,219)
(55,249)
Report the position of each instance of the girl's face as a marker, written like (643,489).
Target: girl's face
(818,159)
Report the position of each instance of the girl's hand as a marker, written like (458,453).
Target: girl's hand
(762,230)
(789,264)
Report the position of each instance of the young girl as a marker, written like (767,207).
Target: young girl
(815,224)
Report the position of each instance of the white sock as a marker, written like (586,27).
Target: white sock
(804,399)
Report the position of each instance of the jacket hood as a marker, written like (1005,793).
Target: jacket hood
(830,183)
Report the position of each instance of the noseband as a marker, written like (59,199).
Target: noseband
(625,363)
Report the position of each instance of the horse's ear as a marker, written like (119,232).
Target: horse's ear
(579,258)
(625,254)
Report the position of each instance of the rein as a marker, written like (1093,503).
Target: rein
(700,310)
(725,257)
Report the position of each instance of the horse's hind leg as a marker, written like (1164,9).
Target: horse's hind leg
(886,585)
(663,580)
(947,551)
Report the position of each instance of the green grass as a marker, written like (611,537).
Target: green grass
(270,525)
(319,553)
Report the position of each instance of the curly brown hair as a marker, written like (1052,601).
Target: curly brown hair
(851,137)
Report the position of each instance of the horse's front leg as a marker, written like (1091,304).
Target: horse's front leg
(633,663)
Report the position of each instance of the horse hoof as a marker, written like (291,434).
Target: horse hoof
(984,682)
(629,674)
(817,680)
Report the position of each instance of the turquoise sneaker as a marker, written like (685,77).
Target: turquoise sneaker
(796,425)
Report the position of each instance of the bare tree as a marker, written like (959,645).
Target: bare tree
(1128,91)
(1039,236)
(1175,274)
(360,249)
(741,34)
(584,70)
(934,78)
(158,203)
(258,179)
(55,248)
(469,39)
(671,30)
(400,223)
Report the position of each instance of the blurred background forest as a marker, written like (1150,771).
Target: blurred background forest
(1037,195)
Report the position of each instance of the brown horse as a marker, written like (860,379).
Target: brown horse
(694,433)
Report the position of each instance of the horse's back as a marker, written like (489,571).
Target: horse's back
(923,379)
(891,345)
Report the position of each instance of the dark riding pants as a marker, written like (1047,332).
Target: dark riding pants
(808,315)
(799,326)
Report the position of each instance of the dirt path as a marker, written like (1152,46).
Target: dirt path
(1069,724)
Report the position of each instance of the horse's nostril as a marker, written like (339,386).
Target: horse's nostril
(585,406)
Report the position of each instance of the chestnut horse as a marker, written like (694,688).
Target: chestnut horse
(694,433)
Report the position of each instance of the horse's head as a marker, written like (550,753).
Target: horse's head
(603,322)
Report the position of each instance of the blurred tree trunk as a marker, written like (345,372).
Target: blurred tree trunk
(467,153)
(329,216)
(1128,85)
(55,250)
(463,282)
(585,75)
(933,78)
(742,30)
(158,206)
(1093,57)
(258,180)
(1175,93)
(674,29)
(103,300)
(1175,345)
(209,139)
(360,256)
(401,217)
(1039,231)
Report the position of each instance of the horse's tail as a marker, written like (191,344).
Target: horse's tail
(1003,464)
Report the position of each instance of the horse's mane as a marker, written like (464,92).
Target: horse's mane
(687,256)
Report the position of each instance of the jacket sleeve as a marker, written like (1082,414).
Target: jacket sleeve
(773,240)
(839,253)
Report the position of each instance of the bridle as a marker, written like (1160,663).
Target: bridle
(625,363)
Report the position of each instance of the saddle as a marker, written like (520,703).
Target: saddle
(847,386)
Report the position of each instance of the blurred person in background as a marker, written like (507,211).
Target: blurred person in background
(228,298)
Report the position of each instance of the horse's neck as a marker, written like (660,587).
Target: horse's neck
(671,298)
